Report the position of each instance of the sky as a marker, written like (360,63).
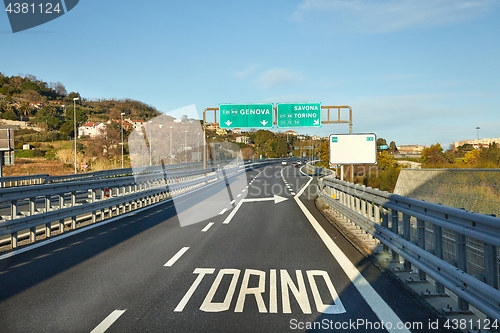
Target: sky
(413,71)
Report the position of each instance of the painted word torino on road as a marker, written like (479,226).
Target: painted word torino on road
(246,115)
(299,114)
(264,288)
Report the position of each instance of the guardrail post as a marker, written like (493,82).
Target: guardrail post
(461,251)
(376,212)
(48,226)
(438,252)
(385,224)
(395,229)
(406,236)
(421,244)
(32,231)
(93,199)
(13,209)
(61,226)
(491,265)
(491,268)
(13,239)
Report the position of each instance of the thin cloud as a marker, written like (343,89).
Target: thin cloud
(277,76)
(250,70)
(391,15)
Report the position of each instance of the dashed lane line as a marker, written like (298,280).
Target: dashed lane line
(106,323)
(176,257)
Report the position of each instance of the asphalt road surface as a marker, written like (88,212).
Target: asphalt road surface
(265,261)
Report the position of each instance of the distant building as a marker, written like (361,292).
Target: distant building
(237,130)
(137,124)
(243,139)
(290,132)
(410,149)
(91,129)
(316,137)
(221,131)
(477,143)
(212,127)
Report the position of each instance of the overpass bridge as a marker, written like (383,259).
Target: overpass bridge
(242,247)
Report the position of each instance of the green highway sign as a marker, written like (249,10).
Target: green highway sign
(299,115)
(246,115)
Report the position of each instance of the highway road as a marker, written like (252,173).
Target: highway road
(266,261)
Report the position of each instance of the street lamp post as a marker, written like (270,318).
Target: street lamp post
(171,144)
(185,146)
(478,128)
(74,121)
(121,124)
(150,141)
(198,145)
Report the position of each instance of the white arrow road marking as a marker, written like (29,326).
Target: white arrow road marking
(277,199)
(106,323)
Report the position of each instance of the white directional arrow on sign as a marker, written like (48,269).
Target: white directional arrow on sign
(316,122)
(264,122)
(228,123)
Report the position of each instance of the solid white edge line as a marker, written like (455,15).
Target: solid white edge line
(374,300)
(176,257)
(106,323)
(207,227)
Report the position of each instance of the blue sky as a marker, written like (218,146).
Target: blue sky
(421,71)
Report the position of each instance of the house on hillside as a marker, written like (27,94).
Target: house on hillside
(243,139)
(91,129)
(137,124)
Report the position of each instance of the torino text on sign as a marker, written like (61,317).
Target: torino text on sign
(246,115)
(299,115)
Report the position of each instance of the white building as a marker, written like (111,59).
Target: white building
(243,139)
(91,129)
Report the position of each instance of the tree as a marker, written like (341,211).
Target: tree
(393,148)
(59,88)
(434,156)
(324,152)
(490,156)
(472,157)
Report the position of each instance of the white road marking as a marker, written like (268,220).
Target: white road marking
(239,195)
(376,303)
(232,202)
(276,199)
(106,323)
(201,273)
(223,211)
(233,212)
(292,193)
(176,257)
(207,227)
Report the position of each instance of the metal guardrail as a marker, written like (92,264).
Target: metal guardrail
(53,208)
(403,225)
(13,181)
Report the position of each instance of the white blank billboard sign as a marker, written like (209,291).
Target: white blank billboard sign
(353,148)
